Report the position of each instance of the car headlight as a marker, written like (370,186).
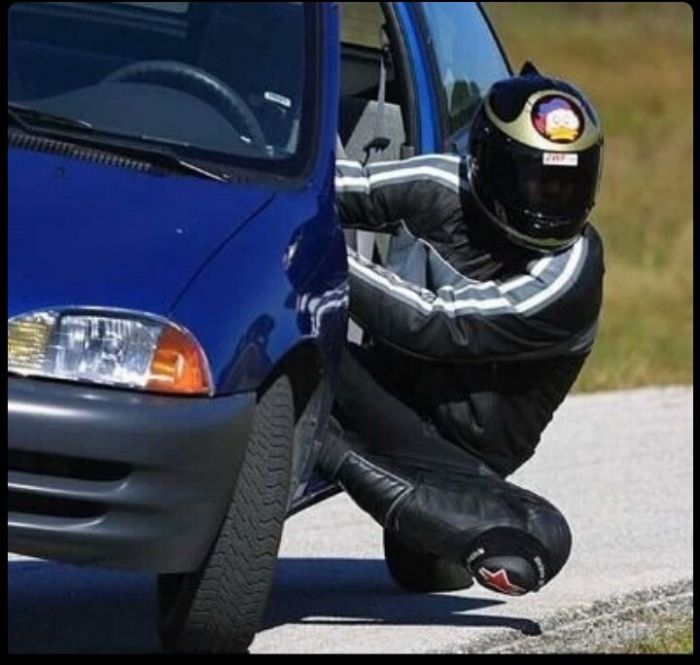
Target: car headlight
(120,349)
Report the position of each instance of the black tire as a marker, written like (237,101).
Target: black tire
(418,571)
(218,608)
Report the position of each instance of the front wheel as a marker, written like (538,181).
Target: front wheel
(218,608)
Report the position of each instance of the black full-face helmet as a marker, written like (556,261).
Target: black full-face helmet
(535,159)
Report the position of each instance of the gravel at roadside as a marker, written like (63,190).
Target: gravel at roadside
(603,627)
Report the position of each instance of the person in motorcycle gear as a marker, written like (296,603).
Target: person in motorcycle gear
(479,323)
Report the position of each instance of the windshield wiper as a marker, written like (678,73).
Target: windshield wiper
(40,122)
(33,118)
(193,168)
(155,151)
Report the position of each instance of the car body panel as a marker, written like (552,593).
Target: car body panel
(154,504)
(84,234)
(302,292)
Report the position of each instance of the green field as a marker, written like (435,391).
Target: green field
(634,60)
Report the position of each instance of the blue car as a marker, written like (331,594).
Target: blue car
(178,293)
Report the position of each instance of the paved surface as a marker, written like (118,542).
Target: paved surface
(619,465)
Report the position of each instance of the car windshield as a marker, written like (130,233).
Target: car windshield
(223,81)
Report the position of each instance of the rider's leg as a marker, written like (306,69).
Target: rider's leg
(437,497)
(385,425)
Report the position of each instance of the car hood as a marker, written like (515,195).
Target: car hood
(85,234)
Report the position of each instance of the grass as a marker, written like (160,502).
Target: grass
(634,61)
(676,639)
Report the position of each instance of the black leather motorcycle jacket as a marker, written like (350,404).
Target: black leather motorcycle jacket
(481,337)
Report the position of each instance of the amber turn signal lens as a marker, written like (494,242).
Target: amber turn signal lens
(178,365)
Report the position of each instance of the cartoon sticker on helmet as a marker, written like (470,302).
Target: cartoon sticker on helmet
(557,119)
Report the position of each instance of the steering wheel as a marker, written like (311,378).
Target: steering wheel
(201,84)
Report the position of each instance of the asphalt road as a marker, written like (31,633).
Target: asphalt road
(619,465)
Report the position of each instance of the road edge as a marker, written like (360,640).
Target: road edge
(604,626)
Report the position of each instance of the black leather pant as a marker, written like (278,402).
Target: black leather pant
(433,494)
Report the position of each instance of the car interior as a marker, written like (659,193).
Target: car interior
(200,36)
(115,36)
(364,26)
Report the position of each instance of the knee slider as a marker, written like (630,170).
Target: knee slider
(511,575)
(509,561)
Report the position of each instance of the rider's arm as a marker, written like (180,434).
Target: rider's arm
(421,190)
(550,310)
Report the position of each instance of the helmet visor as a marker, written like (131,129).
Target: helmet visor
(555,185)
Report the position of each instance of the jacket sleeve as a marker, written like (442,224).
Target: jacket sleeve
(550,310)
(421,191)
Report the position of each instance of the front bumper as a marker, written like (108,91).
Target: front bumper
(120,479)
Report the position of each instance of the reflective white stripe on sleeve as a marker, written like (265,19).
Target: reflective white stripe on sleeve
(400,174)
(457,306)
